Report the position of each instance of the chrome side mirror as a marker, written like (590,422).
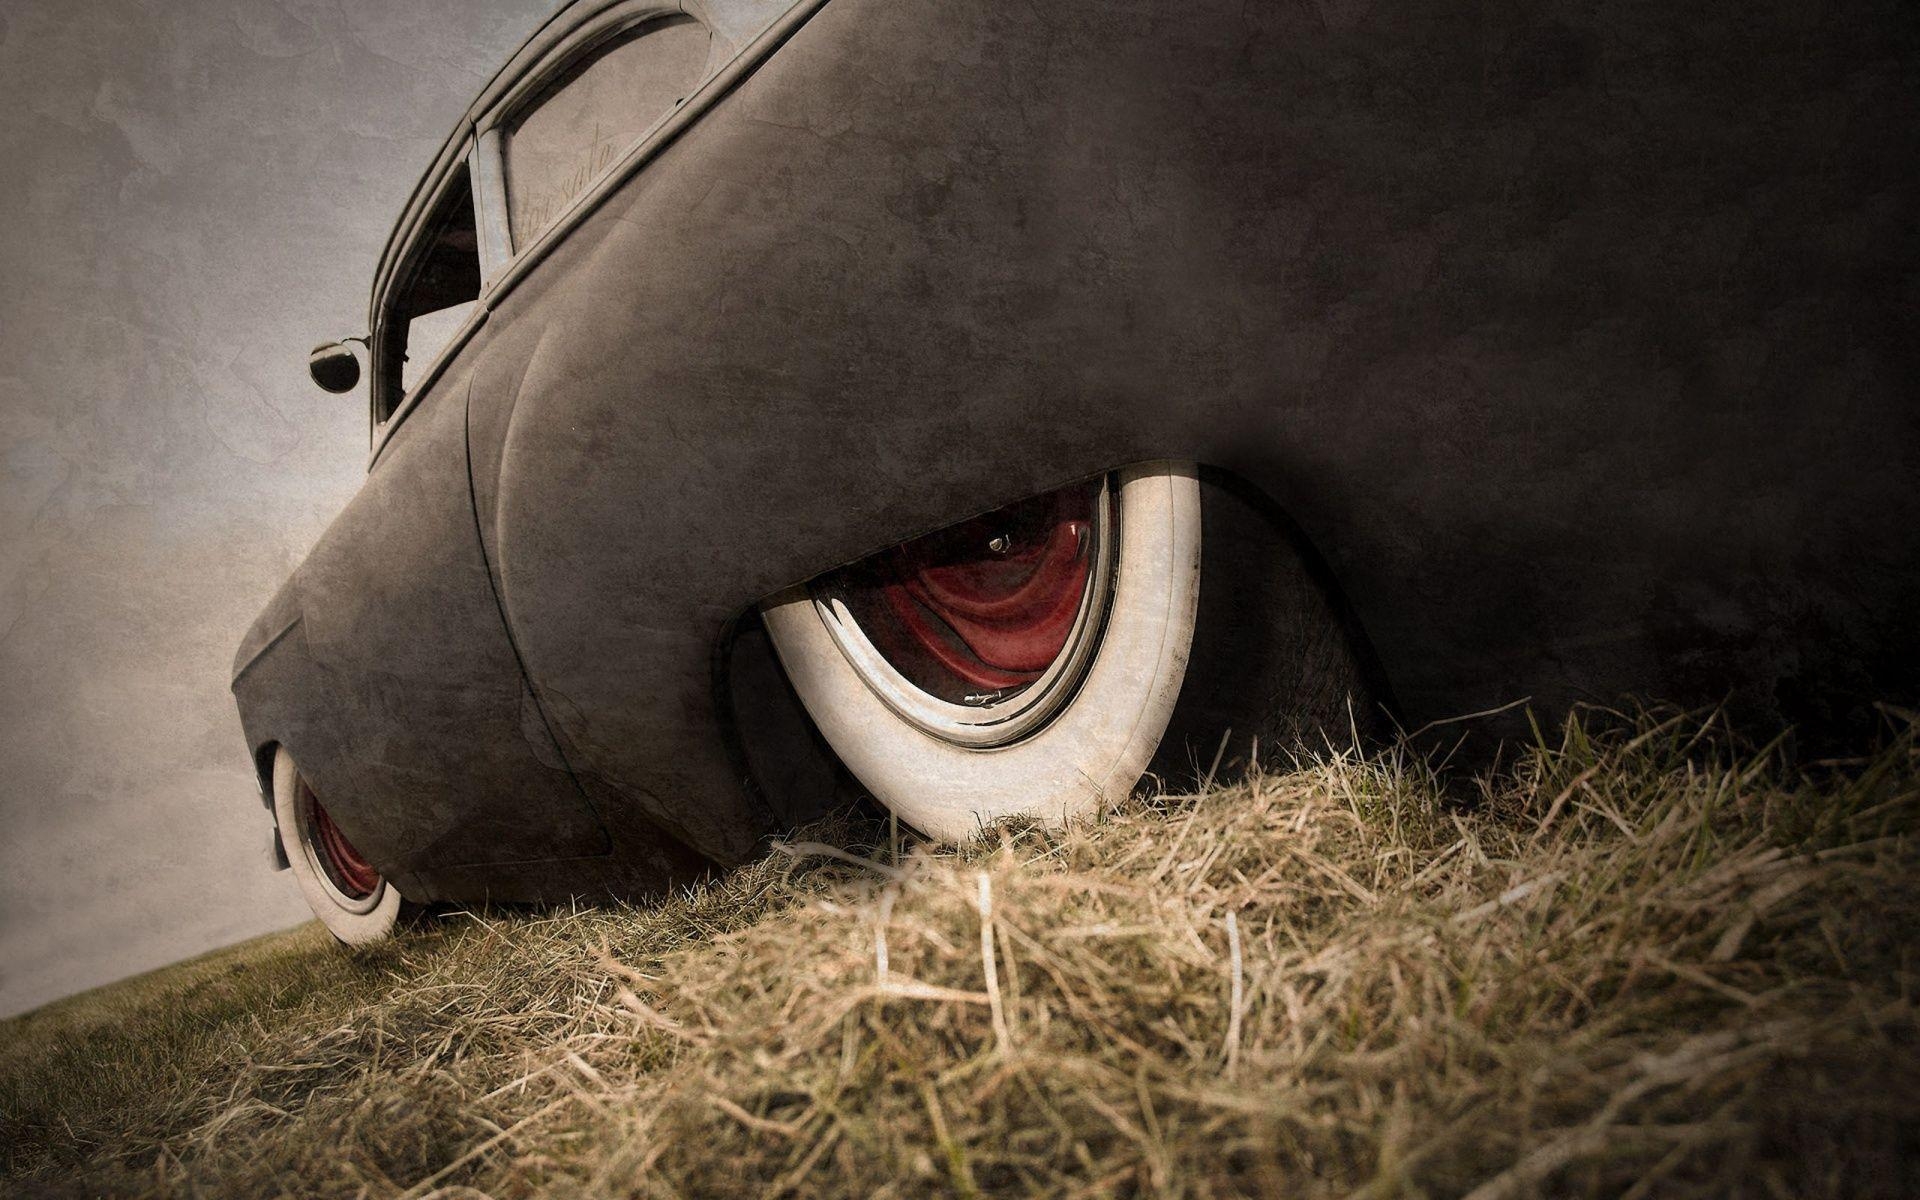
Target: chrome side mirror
(334,367)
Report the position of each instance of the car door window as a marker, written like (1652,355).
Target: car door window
(435,293)
(583,120)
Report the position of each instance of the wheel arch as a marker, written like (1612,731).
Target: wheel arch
(263,758)
(1311,588)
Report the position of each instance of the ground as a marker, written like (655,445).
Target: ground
(1636,960)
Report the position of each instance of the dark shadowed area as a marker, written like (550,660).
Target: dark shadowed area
(194,195)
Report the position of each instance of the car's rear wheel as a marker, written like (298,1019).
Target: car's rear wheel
(1024,663)
(1036,661)
(356,904)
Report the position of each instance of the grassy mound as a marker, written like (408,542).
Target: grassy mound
(1633,962)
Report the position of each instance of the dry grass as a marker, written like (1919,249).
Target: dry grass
(1633,963)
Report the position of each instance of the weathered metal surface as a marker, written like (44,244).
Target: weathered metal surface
(1577,343)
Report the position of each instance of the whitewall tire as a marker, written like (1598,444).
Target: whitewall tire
(357,906)
(1082,744)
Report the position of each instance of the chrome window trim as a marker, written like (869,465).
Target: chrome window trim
(487,168)
(650,143)
(377,429)
(406,230)
(581,40)
(498,105)
(489,157)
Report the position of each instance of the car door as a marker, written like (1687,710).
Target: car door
(601,91)
(431,750)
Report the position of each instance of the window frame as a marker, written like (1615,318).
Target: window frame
(740,47)
(425,204)
(497,251)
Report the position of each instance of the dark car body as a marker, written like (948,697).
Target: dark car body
(1577,342)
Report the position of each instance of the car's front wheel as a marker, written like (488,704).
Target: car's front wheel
(1024,663)
(352,899)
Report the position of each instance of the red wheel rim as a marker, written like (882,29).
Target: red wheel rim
(348,871)
(982,609)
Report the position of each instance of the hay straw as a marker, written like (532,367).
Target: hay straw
(1640,960)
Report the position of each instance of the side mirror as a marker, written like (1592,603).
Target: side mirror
(334,367)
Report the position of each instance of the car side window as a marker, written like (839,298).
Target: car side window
(581,121)
(434,294)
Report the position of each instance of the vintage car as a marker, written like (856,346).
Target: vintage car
(999,404)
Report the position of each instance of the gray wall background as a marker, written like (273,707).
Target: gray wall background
(193,194)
